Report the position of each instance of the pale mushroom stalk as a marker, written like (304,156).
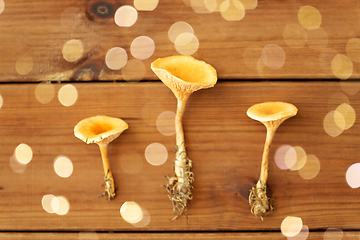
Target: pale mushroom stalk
(108,178)
(271,114)
(102,130)
(183,75)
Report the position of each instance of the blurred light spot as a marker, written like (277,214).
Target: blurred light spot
(317,38)
(24,64)
(186,44)
(116,58)
(88,236)
(178,28)
(60,205)
(304,233)
(353,49)
(72,50)
(46,203)
(333,234)
(126,16)
(131,212)
(1,101)
(249,4)
(199,6)
(311,169)
(16,166)
(156,154)
(145,5)
(251,56)
(165,123)
(341,66)
(300,158)
(131,162)
(326,56)
(144,221)
(330,126)
(71,17)
(350,88)
(211,5)
(353,175)
(309,17)
(45,92)
(67,95)
(23,153)
(273,56)
(134,70)
(348,114)
(281,154)
(337,99)
(291,226)
(294,35)
(150,112)
(63,166)
(232,10)
(2,6)
(142,47)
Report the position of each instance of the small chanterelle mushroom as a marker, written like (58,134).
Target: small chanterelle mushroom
(271,114)
(102,130)
(183,75)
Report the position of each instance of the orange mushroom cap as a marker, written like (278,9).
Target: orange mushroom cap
(99,129)
(271,111)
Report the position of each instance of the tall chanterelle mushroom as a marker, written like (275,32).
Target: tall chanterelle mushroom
(271,114)
(183,75)
(102,130)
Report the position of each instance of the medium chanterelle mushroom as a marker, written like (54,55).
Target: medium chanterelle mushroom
(271,114)
(183,75)
(101,130)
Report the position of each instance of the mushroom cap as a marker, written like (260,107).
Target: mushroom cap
(270,111)
(184,74)
(99,129)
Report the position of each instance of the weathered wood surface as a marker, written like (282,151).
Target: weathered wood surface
(180,236)
(33,34)
(224,144)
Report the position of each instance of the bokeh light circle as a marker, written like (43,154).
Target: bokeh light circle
(333,234)
(309,17)
(23,153)
(284,156)
(60,205)
(134,70)
(294,35)
(125,16)
(301,158)
(186,44)
(178,28)
(2,6)
(291,226)
(273,56)
(142,47)
(46,203)
(311,169)
(24,64)
(330,126)
(116,58)
(341,66)
(67,95)
(145,5)
(353,175)
(63,166)
(1,101)
(131,212)
(72,50)
(165,123)
(232,10)
(353,49)
(348,114)
(71,17)
(45,92)
(156,154)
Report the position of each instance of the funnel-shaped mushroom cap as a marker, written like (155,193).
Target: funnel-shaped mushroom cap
(271,111)
(99,129)
(184,74)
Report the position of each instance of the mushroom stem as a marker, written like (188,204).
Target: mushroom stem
(179,187)
(108,178)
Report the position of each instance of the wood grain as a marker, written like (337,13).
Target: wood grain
(33,35)
(180,236)
(224,144)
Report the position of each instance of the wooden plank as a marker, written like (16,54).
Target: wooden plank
(181,236)
(224,144)
(34,33)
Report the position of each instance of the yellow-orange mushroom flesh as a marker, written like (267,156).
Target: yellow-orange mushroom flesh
(271,114)
(102,130)
(183,75)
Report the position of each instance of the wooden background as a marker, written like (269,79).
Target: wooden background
(224,144)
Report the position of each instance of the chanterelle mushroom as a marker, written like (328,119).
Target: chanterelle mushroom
(183,75)
(271,114)
(101,130)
